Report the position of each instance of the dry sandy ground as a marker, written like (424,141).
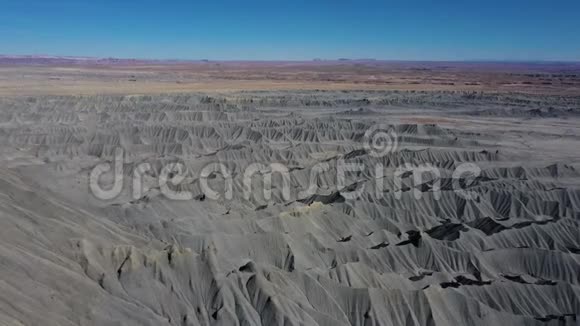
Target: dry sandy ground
(505,251)
(153,78)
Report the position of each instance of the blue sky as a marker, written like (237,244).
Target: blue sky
(294,30)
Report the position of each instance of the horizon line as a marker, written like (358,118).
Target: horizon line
(339,59)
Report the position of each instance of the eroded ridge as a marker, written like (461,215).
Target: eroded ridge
(373,247)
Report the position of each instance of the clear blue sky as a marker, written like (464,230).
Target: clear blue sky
(294,29)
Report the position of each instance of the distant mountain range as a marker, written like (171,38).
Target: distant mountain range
(48,60)
(58,60)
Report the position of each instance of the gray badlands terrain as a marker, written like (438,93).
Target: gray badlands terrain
(498,247)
